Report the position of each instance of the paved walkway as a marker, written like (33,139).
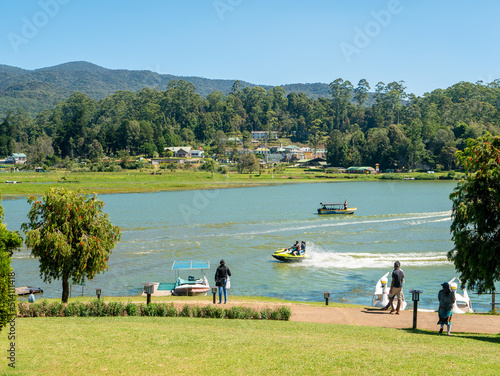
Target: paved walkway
(368,316)
(375,317)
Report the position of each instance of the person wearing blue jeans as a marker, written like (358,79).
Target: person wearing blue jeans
(221,275)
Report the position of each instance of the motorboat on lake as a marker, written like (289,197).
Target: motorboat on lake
(380,297)
(335,208)
(289,255)
(462,303)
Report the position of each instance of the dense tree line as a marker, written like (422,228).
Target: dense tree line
(396,129)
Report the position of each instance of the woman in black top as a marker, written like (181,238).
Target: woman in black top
(221,275)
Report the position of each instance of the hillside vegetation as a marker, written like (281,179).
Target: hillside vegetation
(390,127)
(40,89)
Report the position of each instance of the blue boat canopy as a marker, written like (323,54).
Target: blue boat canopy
(187,265)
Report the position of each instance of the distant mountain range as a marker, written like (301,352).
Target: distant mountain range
(39,89)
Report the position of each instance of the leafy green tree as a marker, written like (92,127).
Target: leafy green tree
(210,165)
(9,241)
(476,215)
(247,162)
(70,235)
(361,92)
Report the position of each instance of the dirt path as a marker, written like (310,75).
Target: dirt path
(368,316)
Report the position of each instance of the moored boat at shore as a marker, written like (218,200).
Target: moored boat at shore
(190,286)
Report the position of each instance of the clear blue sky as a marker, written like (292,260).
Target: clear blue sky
(428,44)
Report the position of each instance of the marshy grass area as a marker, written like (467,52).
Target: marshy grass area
(189,346)
(166,180)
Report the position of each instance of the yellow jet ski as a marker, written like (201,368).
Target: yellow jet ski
(288,255)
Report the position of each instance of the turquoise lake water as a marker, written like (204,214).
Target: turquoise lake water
(407,221)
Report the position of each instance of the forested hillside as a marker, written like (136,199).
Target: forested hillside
(42,88)
(397,130)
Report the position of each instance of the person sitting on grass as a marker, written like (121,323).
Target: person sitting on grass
(31,297)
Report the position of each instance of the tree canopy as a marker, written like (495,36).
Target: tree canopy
(476,215)
(9,241)
(389,126)
(70,235)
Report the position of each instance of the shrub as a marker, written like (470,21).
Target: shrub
(208,311)
(265,313)
(284,313)
(54,309)
(148,309)
(274,315)
(23,309)
(219,313)
(71,309)
(115,309)
(196,311)
(425,177)
(392,176)
(131,309)
(185,311)
(34,310)
(43,308)
(82,309)
(171,311)
(97,308)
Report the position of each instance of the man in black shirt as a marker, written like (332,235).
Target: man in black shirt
(398,277)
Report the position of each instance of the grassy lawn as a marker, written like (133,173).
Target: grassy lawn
(189,346)
(143,181)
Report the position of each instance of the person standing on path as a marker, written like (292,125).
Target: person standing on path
(221,275)
(446,299)
(396,289)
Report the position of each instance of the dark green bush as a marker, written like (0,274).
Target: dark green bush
(265,313)
(82,309)
(54,309)
(171,311)
(71,309)
(132,309)
(196,311)
(185,311)
(23,309)
(98,308)
(284,313)
(115,309)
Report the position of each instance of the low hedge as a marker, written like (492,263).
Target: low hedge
(99,308)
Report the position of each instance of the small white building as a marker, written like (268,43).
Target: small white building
(262,135)
(16,158)
(197,153)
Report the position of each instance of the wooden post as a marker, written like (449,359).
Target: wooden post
(148,299)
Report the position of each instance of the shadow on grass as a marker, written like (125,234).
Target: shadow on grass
(492,338)
(376,311)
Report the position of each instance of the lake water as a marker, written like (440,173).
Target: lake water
(407,221)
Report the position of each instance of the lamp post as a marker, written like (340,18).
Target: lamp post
(415,296)
(148,289)
(98,292)
(326,295)
(214,291)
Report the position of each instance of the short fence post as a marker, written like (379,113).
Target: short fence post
(326,295)
(415,296)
